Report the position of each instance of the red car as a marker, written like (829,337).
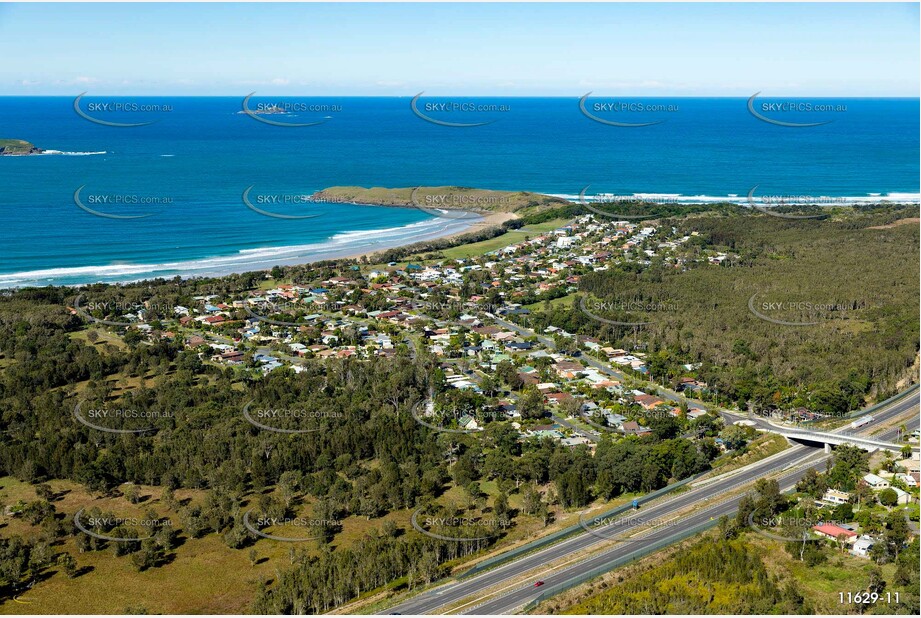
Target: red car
(538,583)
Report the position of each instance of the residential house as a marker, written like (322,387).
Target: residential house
(902,497)
(568,369)
(648,401)
(558,398)
(831,531)
(299,349)
(468,423)
(195,341)
(862,546)
(875,482)
(540,434)
(509,409)
(632,428)
(231,358)
(614,420)
(529,378)
(833,496)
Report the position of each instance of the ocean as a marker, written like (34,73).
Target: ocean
(178,182)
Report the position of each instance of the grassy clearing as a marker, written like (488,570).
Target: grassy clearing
(556,302)
(203,575)
(509,238)
(820,585)
(760,448)
(104,337)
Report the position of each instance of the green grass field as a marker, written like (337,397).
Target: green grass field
(556,302)
(203,575)
(476,248)
(509,238)
(103,337)
(15,146)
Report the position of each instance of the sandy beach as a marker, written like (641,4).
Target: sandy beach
(493,219)
(351,245)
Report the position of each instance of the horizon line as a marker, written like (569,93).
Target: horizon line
(491,96)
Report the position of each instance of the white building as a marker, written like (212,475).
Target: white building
(833,496)
(862,546)
(565,242)
(903,496)
(876,482)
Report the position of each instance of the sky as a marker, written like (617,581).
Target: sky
(719,49)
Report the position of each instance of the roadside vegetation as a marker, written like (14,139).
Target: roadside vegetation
(356,462)
(746,566)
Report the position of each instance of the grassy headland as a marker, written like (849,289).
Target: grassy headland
(445,198)
(17,147)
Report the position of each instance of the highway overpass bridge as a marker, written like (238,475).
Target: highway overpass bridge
(507,584)
(834,439)
(884,413)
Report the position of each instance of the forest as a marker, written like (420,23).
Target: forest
(367,456)
(862,350)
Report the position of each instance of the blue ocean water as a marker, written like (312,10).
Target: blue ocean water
(194,162)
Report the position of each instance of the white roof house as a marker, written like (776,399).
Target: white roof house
(903,496)
(876,482)
(833,496)
(862,546)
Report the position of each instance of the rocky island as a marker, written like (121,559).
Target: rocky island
(18,147)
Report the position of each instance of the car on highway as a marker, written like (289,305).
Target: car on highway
(539,582)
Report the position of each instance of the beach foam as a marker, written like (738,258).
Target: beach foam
(732,198)
(70,154)
(339,245)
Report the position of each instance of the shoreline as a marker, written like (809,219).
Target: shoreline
(263,259)
(680,199)
(494,219)
(250,260)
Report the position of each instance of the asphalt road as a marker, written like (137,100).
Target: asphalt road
(509,602)
(603,367)
(438,597)
(520,596)
(452,593)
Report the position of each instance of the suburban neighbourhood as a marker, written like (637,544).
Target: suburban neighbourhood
(471,313)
